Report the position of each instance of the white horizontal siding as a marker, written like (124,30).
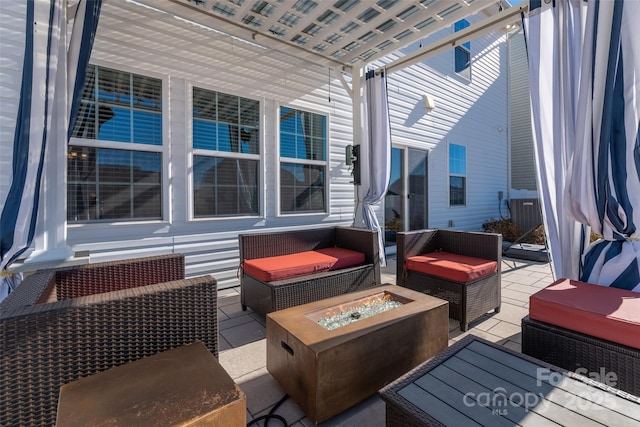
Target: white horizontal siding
(470,113)
(523,174)
(142,41)
(147,42)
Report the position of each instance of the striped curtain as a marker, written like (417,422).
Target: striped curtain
(375,155)
(603,185)
(584,62)
(45,58)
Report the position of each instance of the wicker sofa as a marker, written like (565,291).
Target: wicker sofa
(468,299)
(61,325)
(264,296)
(587,328)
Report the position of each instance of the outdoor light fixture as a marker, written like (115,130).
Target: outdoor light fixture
(429,102)
(352,155)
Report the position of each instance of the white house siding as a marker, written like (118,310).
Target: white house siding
(523,172)
(470,113)
(149,42)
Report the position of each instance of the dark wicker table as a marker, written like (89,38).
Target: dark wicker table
(477,383)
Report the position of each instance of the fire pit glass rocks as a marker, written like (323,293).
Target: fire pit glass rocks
(345,314)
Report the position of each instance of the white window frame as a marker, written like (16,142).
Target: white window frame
(163,149)
(451,174)
(464,73)
(191,152)
(325,163)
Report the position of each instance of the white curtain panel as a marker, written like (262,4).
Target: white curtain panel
(49,72)
(375,155)
(554,35)
(603,184)
(44,23)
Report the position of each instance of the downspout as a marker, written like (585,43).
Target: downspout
(508,130)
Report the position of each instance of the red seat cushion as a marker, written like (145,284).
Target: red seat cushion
(608,313)
(459,268)
(286,266)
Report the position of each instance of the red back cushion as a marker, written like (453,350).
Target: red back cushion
(600,311)
(459,268)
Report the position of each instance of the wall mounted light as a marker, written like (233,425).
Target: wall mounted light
(429,102)
(352,158)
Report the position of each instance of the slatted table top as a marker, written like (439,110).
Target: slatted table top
(478,383)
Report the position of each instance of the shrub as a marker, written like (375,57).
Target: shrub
(509,229)
(512,233)
(537,237)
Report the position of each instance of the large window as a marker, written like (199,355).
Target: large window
(115,158)
(113,184)
(457,175)
(462,53)
(303,141)
(226,136)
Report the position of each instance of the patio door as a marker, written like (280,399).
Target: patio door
(405,204)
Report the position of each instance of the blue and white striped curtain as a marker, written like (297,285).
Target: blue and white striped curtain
(375,154)
(45,57)
(584,61)
(603,186)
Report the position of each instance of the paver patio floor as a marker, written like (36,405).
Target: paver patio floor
(243,344)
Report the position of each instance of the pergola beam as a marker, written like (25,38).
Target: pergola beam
(500,20)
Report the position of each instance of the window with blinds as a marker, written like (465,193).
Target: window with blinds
(303,145)
(226,139)
(462,53)
(111,184)
(457,175)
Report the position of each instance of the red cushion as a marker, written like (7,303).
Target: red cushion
(344,257)
(285,266)
(459,268)
(608,313)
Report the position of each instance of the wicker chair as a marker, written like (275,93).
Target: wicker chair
(467,301)
(265,297)
(61,325)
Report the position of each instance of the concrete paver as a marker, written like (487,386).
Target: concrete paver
(243,344)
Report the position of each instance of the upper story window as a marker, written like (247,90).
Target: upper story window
(115,157)
(303,165)
(457,175)
(462,53)
(226,139)
(120,106)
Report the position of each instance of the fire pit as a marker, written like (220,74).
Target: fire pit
(329,355)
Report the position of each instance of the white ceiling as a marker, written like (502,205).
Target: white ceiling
(329,33)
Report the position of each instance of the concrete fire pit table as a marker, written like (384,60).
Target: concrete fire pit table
(327,371)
